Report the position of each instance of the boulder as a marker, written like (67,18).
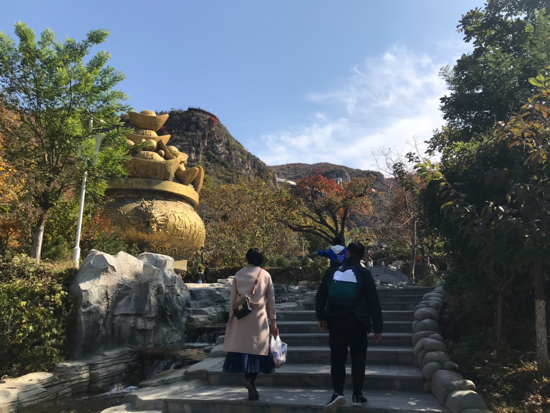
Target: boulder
(440,380)
(436,305)
(429,369)
(433,295)
(461,385)
(126,301)
(421,356)
(436,336)
(434,345)
(426,313)
(426,325)
(449,365)
(461,400)
(438,356)
(420,335)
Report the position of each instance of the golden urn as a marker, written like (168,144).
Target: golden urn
(155,206)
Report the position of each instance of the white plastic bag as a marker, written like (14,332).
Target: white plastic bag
(278,349)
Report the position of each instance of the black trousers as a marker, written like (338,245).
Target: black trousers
(347,332)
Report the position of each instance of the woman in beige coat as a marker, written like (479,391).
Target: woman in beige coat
(247,340)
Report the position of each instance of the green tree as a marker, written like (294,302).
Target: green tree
(53,91)
(511,40)
(511,226)
(244,215)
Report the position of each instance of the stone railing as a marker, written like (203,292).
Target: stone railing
(430,354)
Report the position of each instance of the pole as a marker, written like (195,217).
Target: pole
(303,248)
(76,250)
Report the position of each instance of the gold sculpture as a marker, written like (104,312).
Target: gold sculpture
(155,205)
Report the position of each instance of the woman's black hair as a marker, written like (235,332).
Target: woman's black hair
(255,257)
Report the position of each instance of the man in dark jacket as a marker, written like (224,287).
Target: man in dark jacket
(347,303)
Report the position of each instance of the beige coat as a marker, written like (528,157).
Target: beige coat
(250,334)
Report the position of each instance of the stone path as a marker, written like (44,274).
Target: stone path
(303,384)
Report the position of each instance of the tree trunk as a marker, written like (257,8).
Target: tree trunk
(38,236)
(500,306)
(543,365)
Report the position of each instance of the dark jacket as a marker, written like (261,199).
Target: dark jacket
(368,304)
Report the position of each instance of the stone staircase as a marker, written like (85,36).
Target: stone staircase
(303,384)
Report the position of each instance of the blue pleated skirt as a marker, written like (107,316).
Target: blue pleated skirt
(248,363)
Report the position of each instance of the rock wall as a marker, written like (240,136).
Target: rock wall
(108,370)
(126,301)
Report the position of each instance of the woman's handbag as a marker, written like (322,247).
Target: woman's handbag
(242,306)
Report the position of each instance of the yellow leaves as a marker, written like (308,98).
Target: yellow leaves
(23,303)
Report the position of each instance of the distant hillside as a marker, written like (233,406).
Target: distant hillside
(203,137)
(296,171)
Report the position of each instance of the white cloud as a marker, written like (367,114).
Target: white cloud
(385,101)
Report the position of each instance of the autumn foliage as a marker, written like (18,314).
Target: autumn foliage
(327,205)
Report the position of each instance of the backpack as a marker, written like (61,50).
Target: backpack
(345,286)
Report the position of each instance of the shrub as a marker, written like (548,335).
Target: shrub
(34,305)
(429,281)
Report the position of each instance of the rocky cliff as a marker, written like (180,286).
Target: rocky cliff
(207,141)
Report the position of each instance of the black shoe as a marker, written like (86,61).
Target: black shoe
(335,402)
(253,394)
(359,400)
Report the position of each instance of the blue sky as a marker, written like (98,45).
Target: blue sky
(293,81)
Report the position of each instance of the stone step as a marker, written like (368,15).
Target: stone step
(311,327)
(396,315)
(403,297)
(321,339)
(416,291)
(229,399)
(402,378)
(398,305)
(389,306)
(376,355)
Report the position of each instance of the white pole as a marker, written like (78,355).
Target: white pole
(76,250)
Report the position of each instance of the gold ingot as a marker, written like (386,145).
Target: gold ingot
(138,138)
(152,145)
(147,119)
(151,166)
(147,132)
(150,156)
(186,176)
